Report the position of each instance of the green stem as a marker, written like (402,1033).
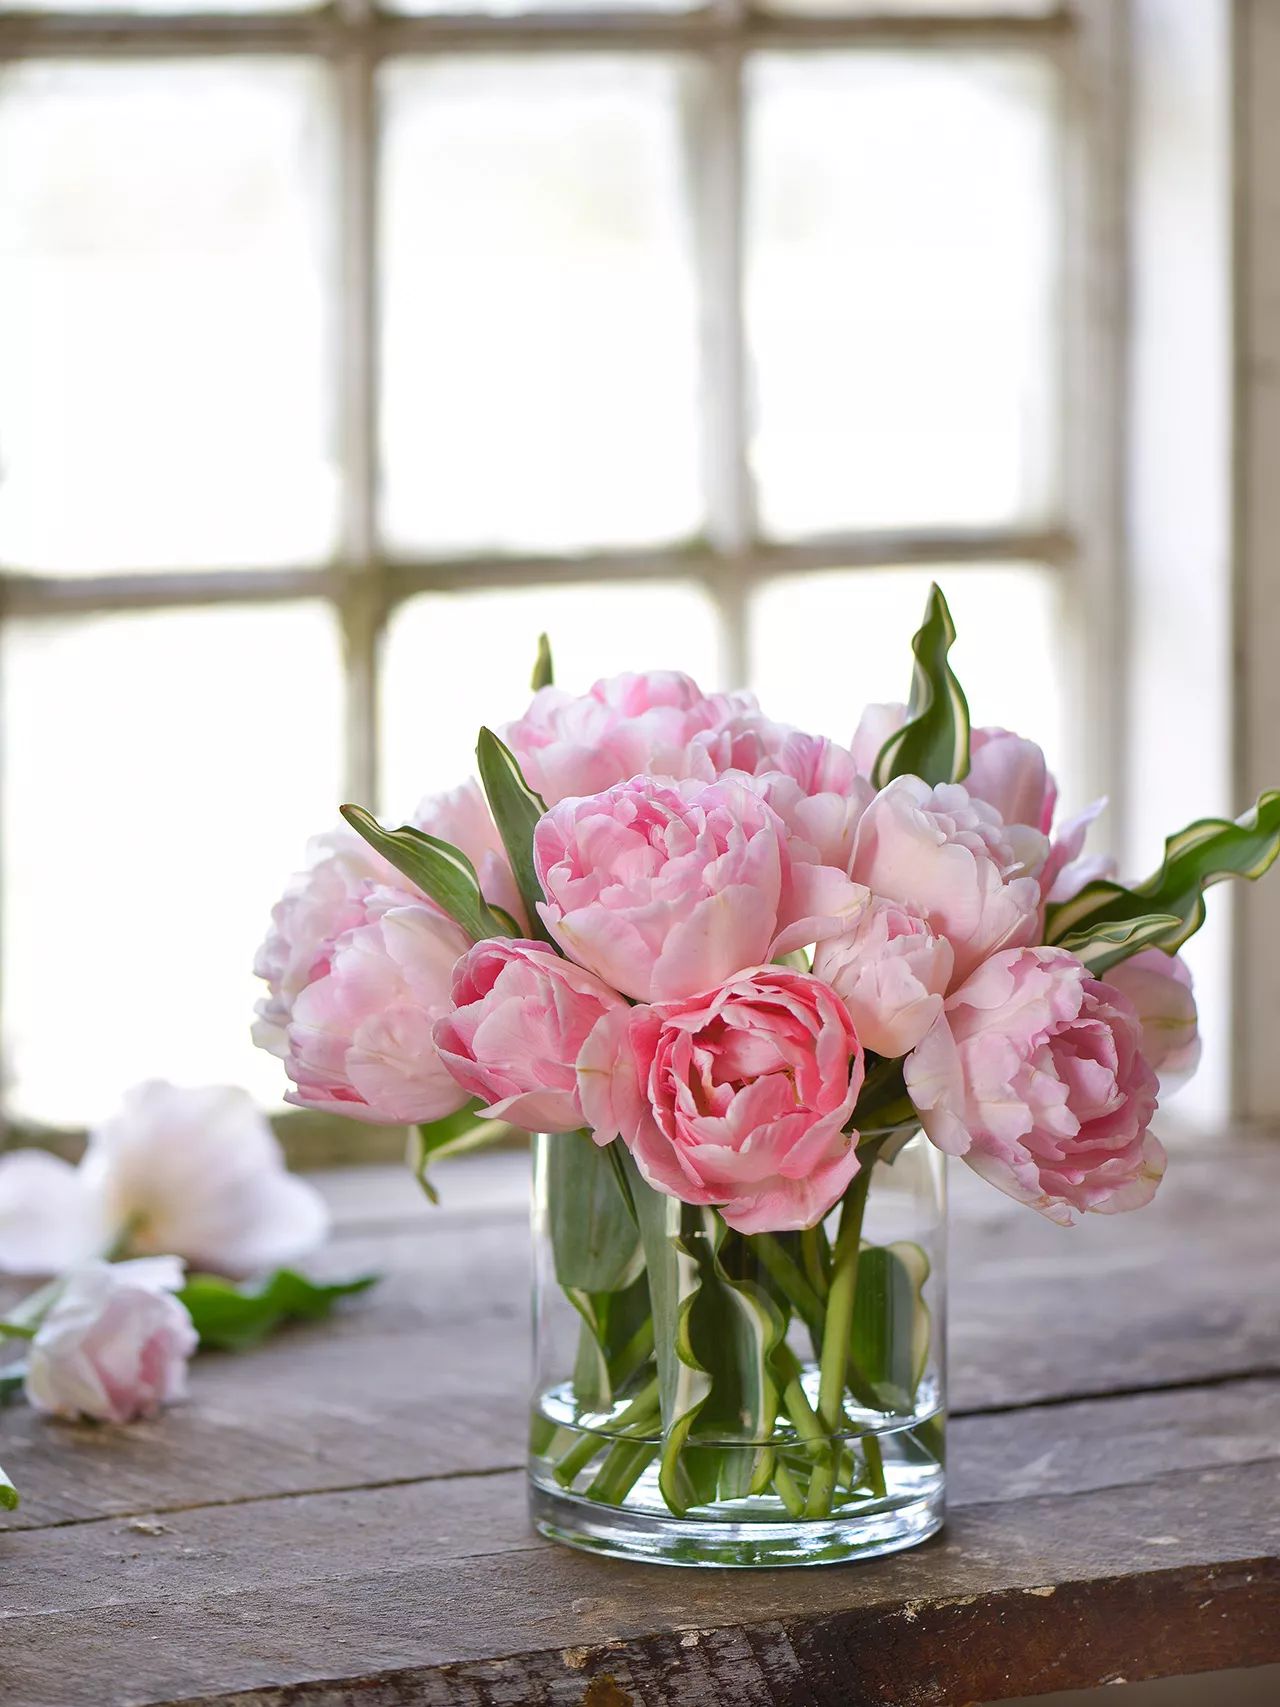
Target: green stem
(874,1456)
(788,1493)
(634,1355)
(790,1281)
(834,1362)
(16,1331)
(817,1255)
(642,1409)
(796,1400)
(622,1469)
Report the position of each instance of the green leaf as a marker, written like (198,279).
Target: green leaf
(889,1340)
(454,1135)
(516,810)
(543,673)
(594,1237)
(615,1343)
(8,1493)
(934,741)
(232,1318)
(1103,946)
(439,870)
(1204,853)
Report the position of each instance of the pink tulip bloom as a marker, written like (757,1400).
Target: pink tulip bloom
(627,726)
(875,726)
(1034,1074)
(360,1039)
(332,897)
(751,742)
(891,973)
(952,860)
(1068,868)
(821,827)
(114,1345)
(519,1019)
(1009,773)
(1159,986)
(739,1097)
(663,892)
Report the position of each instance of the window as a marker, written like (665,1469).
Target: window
(342,350)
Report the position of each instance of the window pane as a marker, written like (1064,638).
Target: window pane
(901,290)
(162,315)
(540,366)
(1008,653)
(515,8)
(455,661)
(162,775)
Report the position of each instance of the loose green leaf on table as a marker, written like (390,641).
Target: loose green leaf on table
(439,869)
(1204,853)
(456,1134)
(516,810)
(232,1317)
(933,743)
(8,1493)
(543,672)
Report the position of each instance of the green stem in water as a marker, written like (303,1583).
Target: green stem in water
(837,1331)
(786,1275)
(874,1456)
(796,1400)
(788,1493)
(642,1409)
(622,1469)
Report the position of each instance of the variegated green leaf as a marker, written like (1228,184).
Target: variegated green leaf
(889,1344)
(1204,853)
(1104,946)
(439,869)
(933,743)
(516,810)
(593,1237)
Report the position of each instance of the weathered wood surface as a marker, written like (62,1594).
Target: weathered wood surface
(338,1516)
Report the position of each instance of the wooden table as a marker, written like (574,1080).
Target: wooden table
(338,1517)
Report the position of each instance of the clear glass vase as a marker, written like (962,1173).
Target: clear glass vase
(704,1397)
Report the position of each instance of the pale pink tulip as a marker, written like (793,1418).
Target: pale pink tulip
(198,1173)
(333,896)
(50,1219)
(1068,868)
(821,827)
(1034,1074)
(738,1097)
(751,742)
(891,973)
(519,1017)
(359,1042)
(112,1347)
(632,725)
(1159,986)
(660,895)
(876,725)
(951,860)
(1009,773)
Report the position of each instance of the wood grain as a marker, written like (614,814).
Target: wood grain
(339,1516)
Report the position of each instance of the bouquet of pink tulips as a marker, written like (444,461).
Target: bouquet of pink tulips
(733,968)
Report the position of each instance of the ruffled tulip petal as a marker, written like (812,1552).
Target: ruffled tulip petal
(50,1219)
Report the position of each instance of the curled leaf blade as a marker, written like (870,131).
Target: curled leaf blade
(438,868)
(933,743)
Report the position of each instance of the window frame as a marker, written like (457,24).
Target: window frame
(1086,41)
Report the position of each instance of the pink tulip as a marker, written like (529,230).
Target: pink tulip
(519,1018)
(333,895)
(627,726)
(1068,868)
(739,1097)
(359,1042)
(891,973)
(751,742)
(112,1347)
(821,827)
(665,891)
(1159,986)
(1035,1075)
(951,860)
(875,726)
(1009,773)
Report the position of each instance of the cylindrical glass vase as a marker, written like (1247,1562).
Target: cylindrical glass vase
(705,1397)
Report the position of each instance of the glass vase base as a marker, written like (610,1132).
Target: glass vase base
(737,1542)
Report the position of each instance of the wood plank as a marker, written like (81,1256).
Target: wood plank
(427,1376)
(416,1593)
